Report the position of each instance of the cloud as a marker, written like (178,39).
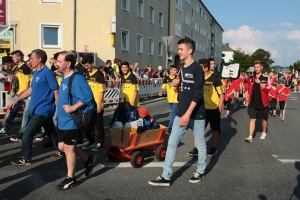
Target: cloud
(286,24)
(283,45)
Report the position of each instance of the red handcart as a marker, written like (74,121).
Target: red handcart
(127,143)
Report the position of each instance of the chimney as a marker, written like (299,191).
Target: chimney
(227,44)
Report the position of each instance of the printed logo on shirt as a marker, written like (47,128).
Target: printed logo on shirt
(37,79)
(64,87)
(187,75)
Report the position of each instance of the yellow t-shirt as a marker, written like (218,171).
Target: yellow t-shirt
(129,85)
(97,83)
(213,88)
(22,72)
(172,96)
(116,68)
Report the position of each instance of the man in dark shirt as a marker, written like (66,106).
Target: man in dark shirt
(78,65)
(190,113)
(258,108)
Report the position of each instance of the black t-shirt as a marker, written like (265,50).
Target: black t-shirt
(256,101)
(80,68)
(191,89)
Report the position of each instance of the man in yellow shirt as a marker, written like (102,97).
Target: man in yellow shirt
(96,81)
(172,95)
(115,67)
(130,86)
(213,102)
(21,80)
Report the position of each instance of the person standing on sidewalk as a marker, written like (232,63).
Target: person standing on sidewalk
(69,134)
(190,114)
(97,83)
(44,92)
(172,95)
(258,105)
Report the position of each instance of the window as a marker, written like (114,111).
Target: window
(187,19)
(200,29)
(192,33)
(178,5)
(196,26)
(125,40)
(205,17)
(151,16)
(140,8)
(160,49)
(161,19)
(51,36)
(188,1)
(139,43)
(192,14)
(125,5)
(177,28)
(50,1)
(197,7)
(196,45)
(151,46)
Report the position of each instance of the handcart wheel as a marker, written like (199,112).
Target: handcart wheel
(137,159)
(160,153)
(113,150)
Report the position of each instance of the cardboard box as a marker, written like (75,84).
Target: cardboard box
(129,136)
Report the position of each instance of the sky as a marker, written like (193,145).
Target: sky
(273,25)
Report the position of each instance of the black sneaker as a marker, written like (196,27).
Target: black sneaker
(67,183)
(21,162)
(89,145)
(194,152)
(47,144)
(160,181)
(213,151)
(58,154)
(89,166)
(197,177)
(18,138)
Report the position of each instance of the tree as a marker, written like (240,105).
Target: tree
(264,57)
(243,59)
(295,66)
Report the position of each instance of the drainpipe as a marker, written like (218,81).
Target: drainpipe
(74,26)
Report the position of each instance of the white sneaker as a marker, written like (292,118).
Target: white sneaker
(263,136)
(249,139)
(2,130)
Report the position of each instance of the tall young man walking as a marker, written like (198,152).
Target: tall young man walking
(258,105)
(190,114)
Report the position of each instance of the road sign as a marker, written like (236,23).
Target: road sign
(167,39)
(4,15)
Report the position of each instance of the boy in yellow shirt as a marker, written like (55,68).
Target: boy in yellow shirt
(172,95)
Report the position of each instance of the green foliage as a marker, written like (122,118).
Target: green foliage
(265,57)
(242,58)
(295,66)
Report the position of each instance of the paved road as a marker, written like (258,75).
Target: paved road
(260,170)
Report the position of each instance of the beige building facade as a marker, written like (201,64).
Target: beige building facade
(130,30)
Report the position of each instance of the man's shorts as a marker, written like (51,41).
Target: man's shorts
(70,137)
(258,114)
(213,117)
(237,91)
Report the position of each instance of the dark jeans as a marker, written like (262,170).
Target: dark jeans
(11,116)
(100,125)
(36,122)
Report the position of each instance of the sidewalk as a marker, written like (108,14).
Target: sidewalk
(142,102)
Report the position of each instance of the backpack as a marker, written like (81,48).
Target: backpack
(85,121)
(124,113)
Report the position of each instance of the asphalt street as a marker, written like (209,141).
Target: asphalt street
(264,169)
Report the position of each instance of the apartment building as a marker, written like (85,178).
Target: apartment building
(127,29)
(190,18)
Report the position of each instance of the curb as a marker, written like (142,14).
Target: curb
(142,102)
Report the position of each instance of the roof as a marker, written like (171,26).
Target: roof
(226,47)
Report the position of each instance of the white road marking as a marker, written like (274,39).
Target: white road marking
(286,161)
(148,164)
(275,156)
